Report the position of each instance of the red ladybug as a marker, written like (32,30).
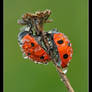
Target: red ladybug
(31,48)
(62,48)
(59,43)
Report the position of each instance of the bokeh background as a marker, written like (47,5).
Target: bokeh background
(69,17)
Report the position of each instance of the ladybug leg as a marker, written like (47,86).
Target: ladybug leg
(30,32)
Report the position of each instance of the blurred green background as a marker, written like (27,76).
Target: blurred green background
(69,17)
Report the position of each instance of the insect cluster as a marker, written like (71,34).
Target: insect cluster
(33,46)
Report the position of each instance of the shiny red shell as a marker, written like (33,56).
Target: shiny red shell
(64,48)
(33,50)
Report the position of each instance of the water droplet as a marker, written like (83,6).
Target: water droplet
(24,56)
(27,28)
(68,64)
(61,80)
(65,70)
(50,32)
(39,63)
(20,45)
(70,55)
(49,42)
(35,62)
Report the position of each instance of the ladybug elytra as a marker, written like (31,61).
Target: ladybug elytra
(62,48)
(31,47)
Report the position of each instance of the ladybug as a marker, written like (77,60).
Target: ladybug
(61,46)
(30,45)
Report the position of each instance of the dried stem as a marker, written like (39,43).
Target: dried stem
(37,20)
(65,80)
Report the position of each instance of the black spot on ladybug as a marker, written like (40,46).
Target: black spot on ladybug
(42,57)
(60,41)
(32,44)
(65,56)
(28,54)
